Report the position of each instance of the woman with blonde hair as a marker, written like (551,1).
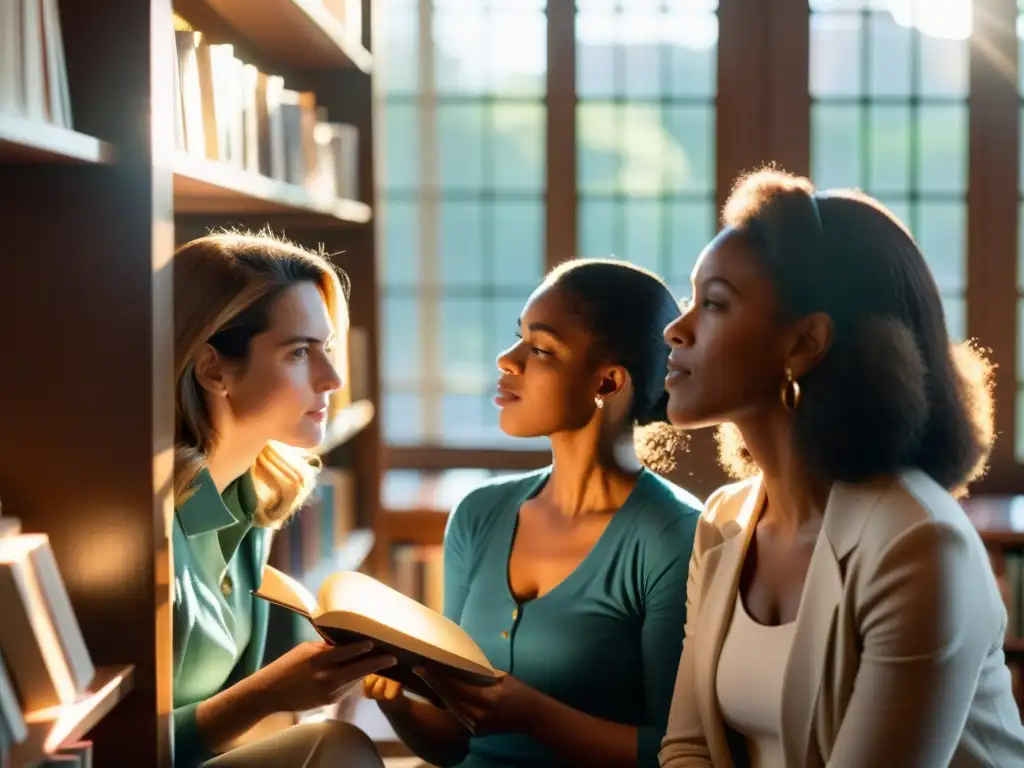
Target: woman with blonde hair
(255,322)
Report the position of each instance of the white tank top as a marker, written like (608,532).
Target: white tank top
(751,669)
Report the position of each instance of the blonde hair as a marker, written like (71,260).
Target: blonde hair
(224,287)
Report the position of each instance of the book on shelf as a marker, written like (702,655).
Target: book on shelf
(418,572)
(33,72)
(352,606)
(40,638)
(231,112)
(13,729)
(321,527)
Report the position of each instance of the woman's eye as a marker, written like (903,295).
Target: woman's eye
(539,352)
(300,353)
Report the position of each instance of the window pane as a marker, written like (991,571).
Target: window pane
(462,419)
(402,415)
(402,167)
(692,225)
(943,64)
(645,233)
(692,130)
(400,361)
(517,50)
(836,48)
(889,148)
(517,243)
(461,342)
(598,228)
(461,243)
(835,145)
(517,136)
(460,131)
(399,251)
(942,144)
(891,57)
(399,69)
(941,233)
(460,48)
(956,317)
(598,128)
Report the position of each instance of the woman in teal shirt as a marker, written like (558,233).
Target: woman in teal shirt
(571,579)
(254,323)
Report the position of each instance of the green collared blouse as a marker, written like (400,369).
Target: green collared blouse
(219,627)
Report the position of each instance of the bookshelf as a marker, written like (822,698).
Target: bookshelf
(92,214)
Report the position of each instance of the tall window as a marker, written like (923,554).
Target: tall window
(463,215)
(646,131)
(889,83)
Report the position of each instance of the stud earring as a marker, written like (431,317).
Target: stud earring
(599,402)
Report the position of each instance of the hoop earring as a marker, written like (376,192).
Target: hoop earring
(599,402)
(789,392)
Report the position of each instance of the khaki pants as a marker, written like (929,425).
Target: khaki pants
(326,744)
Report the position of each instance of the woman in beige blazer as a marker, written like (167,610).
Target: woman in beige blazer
(841,609)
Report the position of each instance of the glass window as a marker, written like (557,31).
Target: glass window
(645,128)
(889,86)
(461,229)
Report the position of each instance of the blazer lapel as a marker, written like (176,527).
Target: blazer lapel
(846,513)
(722,569)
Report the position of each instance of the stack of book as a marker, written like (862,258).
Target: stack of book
(33,76)
(44,662)
(229,112)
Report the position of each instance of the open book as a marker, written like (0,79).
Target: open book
(353,606)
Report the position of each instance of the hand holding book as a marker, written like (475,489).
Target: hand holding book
(352,607)
(501,707)
(316,674)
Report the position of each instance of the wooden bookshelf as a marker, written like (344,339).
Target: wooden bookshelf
(91,218)
(297,34)
(206,187)
(32,141)
(349,422)
(52,728)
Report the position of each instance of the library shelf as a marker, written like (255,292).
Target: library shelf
(346,424)
(294,33)
(207,187)
(51,728)
(23,140)
(350,556)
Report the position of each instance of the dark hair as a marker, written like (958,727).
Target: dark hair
(626,309)
(892,391)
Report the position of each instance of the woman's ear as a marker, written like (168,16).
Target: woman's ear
(812,338)
(614,380)
(210,371)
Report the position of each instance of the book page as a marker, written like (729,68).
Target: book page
(281,588)
(357,602)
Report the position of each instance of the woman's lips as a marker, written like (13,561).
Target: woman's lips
(505,396)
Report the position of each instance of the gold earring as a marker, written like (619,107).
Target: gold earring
(599,402)
(789,392)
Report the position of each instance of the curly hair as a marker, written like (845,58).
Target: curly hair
(892,391)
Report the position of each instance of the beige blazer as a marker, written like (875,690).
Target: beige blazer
(897,656)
